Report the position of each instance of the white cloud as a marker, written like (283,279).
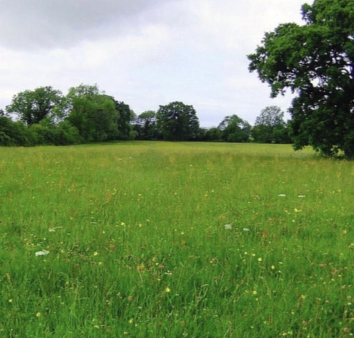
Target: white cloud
(144,53)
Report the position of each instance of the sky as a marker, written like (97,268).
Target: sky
(146,53)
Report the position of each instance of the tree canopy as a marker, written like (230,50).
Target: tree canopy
(234,129)
(316,62)
(145,125)
(32,106)
(177,122)
(270,126)
(93,113)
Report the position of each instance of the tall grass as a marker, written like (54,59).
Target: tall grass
(175,240)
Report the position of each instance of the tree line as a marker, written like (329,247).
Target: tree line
(314,60)
(86,114)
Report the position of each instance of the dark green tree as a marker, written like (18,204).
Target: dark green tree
(126,115)
(316,62)
(213,134)
(32,106)
(93,113)
(177,122)
(146,125)
(14,133)
(234,129)
(270,127)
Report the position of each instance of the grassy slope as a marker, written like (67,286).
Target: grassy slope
(138,246)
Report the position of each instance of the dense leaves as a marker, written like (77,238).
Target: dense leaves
(32,106)
(316,61)
(145,126)
(178,122)
(87,114)
(93,114)
(234,129)
(270,127)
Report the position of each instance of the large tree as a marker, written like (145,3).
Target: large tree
(145,125)
(93,113)
(234,129)
(178,122)
(270,126)
(32,106)
(316,61)
(126,115)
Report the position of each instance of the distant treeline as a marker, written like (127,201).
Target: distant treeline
(45,116)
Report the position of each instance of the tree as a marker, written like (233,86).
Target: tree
(316,61)
(234,129)
(32,106)
(146,125)
(270,127)
(14,133)
(125,129)
(213,134)
(93,113)
(177,122)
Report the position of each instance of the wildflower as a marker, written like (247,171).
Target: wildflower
(38,314)
(246,229)
(95,253)
(131,320)
(10,300)
(259,259)
(281,195)
(301,196)
(228,226)
(167,289)
(254,292)
(42,253)
(273,267)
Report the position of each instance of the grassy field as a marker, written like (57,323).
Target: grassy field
(149,239)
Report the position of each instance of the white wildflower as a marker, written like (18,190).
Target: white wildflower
(228,226)
(301,196)
(246,229)
(282,195)
(42,253)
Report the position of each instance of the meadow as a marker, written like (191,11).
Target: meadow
(158,239)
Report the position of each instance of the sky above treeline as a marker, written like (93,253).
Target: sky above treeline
(145,53)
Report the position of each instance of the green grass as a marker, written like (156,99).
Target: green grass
(138,246)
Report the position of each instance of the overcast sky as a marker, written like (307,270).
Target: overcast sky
(144,52)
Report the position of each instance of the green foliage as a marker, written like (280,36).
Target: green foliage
(14,133)
(213,134)
(93,113)
(270,127)
(33,106)
(234,129)
(125,129)
(316,61)
(146,125)
(177,122)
